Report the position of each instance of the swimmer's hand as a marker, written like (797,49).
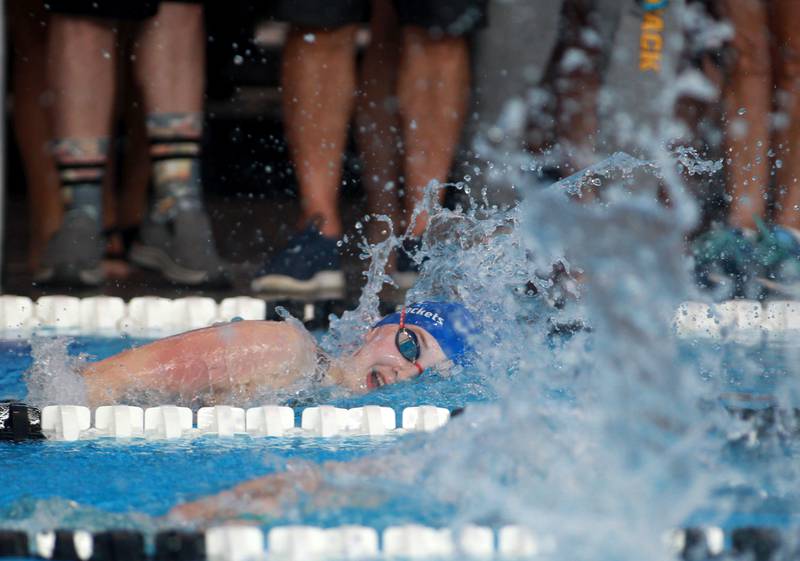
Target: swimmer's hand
(264,497)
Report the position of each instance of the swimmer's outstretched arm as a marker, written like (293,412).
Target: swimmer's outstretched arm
(268,496)
(263,496)
(213,362)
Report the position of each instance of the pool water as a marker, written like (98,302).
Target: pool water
(101,484)
(77,483)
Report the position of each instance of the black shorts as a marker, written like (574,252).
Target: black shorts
(450,17)
(110,9)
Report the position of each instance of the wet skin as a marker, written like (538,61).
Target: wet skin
(234,359)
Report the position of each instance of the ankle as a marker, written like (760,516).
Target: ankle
(175,154)
(81,166)
(330,227)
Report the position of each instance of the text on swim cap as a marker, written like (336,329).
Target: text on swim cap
(420,311)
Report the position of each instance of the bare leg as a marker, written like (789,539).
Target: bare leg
(81,70)
(176,239)
(31,126)
(170,59)
(82,60)
(318,86)
(81,67)
(787,136)
(748,104)
(170,67)
(377,121)
(434,90)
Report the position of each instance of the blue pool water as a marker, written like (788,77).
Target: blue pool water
(79,483)
(104,483)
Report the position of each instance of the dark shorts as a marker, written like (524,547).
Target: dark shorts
(110,9)
(449,17)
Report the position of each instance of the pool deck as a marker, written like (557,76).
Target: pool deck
(235,224)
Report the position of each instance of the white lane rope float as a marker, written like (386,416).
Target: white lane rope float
(19,421)
(745,320)
(412,541)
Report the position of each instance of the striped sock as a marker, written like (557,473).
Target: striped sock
(175,155)
(81,167)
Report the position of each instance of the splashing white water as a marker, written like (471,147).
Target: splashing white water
(55,376)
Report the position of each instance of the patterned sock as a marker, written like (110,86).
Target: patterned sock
(175,154)
(81,166)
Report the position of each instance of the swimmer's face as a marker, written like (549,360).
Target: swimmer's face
(379,362)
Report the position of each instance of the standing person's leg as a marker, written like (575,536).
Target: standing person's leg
(786,14)
(170,67)
(81,70)
(377,119)
(32,129)
(748,99)
(433,87)
(733,259)
(318,80)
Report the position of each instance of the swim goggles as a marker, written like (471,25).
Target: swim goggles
(407,343)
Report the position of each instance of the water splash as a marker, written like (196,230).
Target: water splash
(55,376)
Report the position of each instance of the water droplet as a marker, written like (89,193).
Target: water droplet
(309,37)
(413,125)
(238,60)
(741,111)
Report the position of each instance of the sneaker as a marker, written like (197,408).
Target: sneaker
(182,248)
(309,263)
(73,256)
(727,257)
(407,268)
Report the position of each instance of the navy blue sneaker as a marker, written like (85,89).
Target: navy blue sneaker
(309,263)
(407,268)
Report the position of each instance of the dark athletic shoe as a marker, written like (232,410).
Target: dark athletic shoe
(407,269)
(73,256)
(309,263)
(181,248)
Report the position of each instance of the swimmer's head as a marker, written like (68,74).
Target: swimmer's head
(441,333)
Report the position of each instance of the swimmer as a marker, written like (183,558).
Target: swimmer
(239,358)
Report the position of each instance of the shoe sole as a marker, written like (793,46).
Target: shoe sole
(70,276)
(405,280)
(158,260)
(322,281)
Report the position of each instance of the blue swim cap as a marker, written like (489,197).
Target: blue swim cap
(451,324)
